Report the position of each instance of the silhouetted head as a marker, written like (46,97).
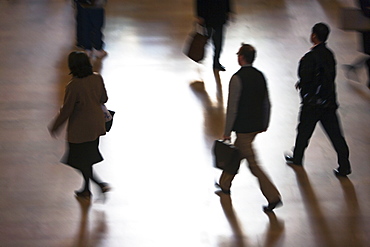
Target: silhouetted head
(320,33)
(246,54)
(79,64)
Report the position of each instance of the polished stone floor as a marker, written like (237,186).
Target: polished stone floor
(169,110)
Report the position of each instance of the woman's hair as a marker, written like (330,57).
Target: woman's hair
(79,64)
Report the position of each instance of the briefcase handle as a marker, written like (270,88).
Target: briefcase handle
(200,29)
(227,141)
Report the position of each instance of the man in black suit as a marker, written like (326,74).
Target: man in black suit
(248,114)
(213,14)
(317,89)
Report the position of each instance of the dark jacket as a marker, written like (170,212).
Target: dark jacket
(214,12)
(317,67)
(254,105)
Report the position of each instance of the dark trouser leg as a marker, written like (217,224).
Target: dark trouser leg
(87,173)
(82,31)
(95,178)
(78,25)
(96,19)
(217,39)
(225,181)
(307,121)
(330,123)
(366,42)
(368,72)
(86,176)
(244,144)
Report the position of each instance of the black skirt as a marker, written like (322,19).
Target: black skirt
(79,155)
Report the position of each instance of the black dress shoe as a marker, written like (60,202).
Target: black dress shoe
(219,67)
(290,160)
(104,187)
(83,194)
(270,207)
(341,173)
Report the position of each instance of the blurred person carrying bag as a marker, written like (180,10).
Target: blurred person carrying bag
(196,44)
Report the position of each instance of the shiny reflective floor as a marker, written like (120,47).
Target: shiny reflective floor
(169,110)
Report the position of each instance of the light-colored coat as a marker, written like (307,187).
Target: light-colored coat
(82,108)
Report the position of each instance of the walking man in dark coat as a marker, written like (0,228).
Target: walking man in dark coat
(319,104)
(248,114)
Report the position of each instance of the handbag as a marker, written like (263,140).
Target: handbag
(108,115)
(196,45)
(226,157)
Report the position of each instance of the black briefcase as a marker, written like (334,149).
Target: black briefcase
(226,157)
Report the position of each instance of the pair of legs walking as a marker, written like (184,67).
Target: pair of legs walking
(328,118)
(216,34)
(90,22)
(88,174)
(268,189)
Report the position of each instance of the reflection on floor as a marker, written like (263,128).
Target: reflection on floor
(168,112)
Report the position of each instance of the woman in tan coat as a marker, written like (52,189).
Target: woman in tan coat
(84,95)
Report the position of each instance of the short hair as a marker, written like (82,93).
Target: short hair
(248,52)
(321,30)
(79,64)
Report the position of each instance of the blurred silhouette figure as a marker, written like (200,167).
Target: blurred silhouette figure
(90,20)
(88,235)
(214,112)
(353,208)
(352,68)
(83,230)
(274,230)
(273,233)
(248,114)
(227,207)
(213,15)
(81,108)
(311,203)
(319,104)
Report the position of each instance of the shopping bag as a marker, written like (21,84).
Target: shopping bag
(109,123)
(195,47)
(226,157)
